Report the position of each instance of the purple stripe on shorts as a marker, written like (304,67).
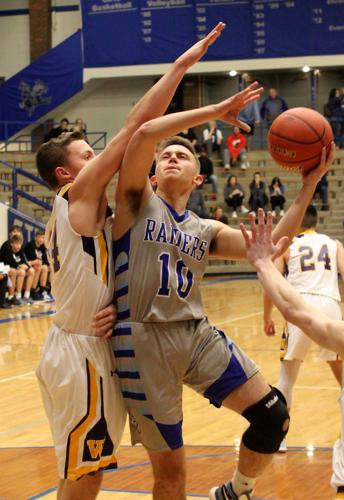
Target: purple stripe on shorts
(172,433)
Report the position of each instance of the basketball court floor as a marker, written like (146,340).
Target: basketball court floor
(211,435)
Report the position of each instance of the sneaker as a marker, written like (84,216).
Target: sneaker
(47,297)
(234,214)
(244,210)
(27,301)
(17,302)
(227,167)
(225,492)
(36,295)
(7,304)
(281,213)
(273,213)
(283,447)
(340,493)
(243,167)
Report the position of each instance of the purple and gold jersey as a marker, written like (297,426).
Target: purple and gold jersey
(159,264)
(82,272)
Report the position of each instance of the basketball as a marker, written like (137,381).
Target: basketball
(296,138)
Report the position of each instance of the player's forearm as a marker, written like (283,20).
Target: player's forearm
(289,224)
(268,306)
(160,128)
(155,102)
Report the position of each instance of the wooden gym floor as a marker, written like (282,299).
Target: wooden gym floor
(211,435)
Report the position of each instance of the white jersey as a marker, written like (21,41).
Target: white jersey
(82,274)
(312,264)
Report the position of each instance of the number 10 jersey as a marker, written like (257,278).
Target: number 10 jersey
(159,264)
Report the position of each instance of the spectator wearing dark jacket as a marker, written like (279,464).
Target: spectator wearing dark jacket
(219,215)
(57,131)
(233,194)
(277,199)
(322,191)
(21,273)
(272,107)
(258,197)
(207,170)
(336,115)
(36,255)
(196,204)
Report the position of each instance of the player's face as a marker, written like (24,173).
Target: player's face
(176,161)
(79,154)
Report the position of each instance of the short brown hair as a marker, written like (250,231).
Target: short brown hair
(16,238)
(53,154)
(176,139)
(310,218)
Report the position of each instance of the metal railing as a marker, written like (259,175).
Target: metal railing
(20,193)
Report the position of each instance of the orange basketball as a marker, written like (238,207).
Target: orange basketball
(296,138)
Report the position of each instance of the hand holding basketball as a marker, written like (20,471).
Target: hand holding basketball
(297,137)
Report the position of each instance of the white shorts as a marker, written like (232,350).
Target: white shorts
(83,402)
(295,344)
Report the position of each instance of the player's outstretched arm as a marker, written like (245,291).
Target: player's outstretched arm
(93,179)
(289,224)
(261,251)
(142,145)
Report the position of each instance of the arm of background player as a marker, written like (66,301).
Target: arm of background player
(92,180)
(340,259)
(260,252)
(228,243)
(269,325)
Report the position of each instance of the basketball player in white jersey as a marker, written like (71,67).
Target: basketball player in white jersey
(327,332)
(162,338)
(77,370)
(312,263)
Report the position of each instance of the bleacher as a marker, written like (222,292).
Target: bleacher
(330,222)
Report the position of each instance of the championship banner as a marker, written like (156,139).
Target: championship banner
(127,32)
(46,83)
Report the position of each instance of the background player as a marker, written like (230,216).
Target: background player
(163,338)
(328,333)
(312,263)
(76,371)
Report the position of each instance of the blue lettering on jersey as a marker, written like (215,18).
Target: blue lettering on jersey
(188,244)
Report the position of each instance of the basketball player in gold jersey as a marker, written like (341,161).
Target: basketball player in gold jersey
(76,371)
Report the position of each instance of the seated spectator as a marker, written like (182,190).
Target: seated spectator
(234,194)
(277,199)
(322,191)
(272,107)
(4,303)
(237,148)
(57,131)
(207,170)
(13,255)
(219,215)
(190,135)
(336,115)
(36,254)
(213,141)
(258,197)
(79,126)
(196,203)
(250,114)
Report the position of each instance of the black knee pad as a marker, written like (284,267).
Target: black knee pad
(269,419)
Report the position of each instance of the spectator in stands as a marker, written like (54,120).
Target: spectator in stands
(234,194)
(207,170)
(13,255)
(237,148)
(322,191)
(213,141)
(36,254)
(218,214)
(250,114)
(258,197)
(277,199)
(272,106)
(190,135)
(335,113)
(79,126)
(57,131)
(196,203)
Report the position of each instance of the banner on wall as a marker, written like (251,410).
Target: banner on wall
(127,32)
(40,87)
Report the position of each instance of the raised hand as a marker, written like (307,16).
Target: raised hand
(314,176)
(197,51)
(259,245)
(229,109)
